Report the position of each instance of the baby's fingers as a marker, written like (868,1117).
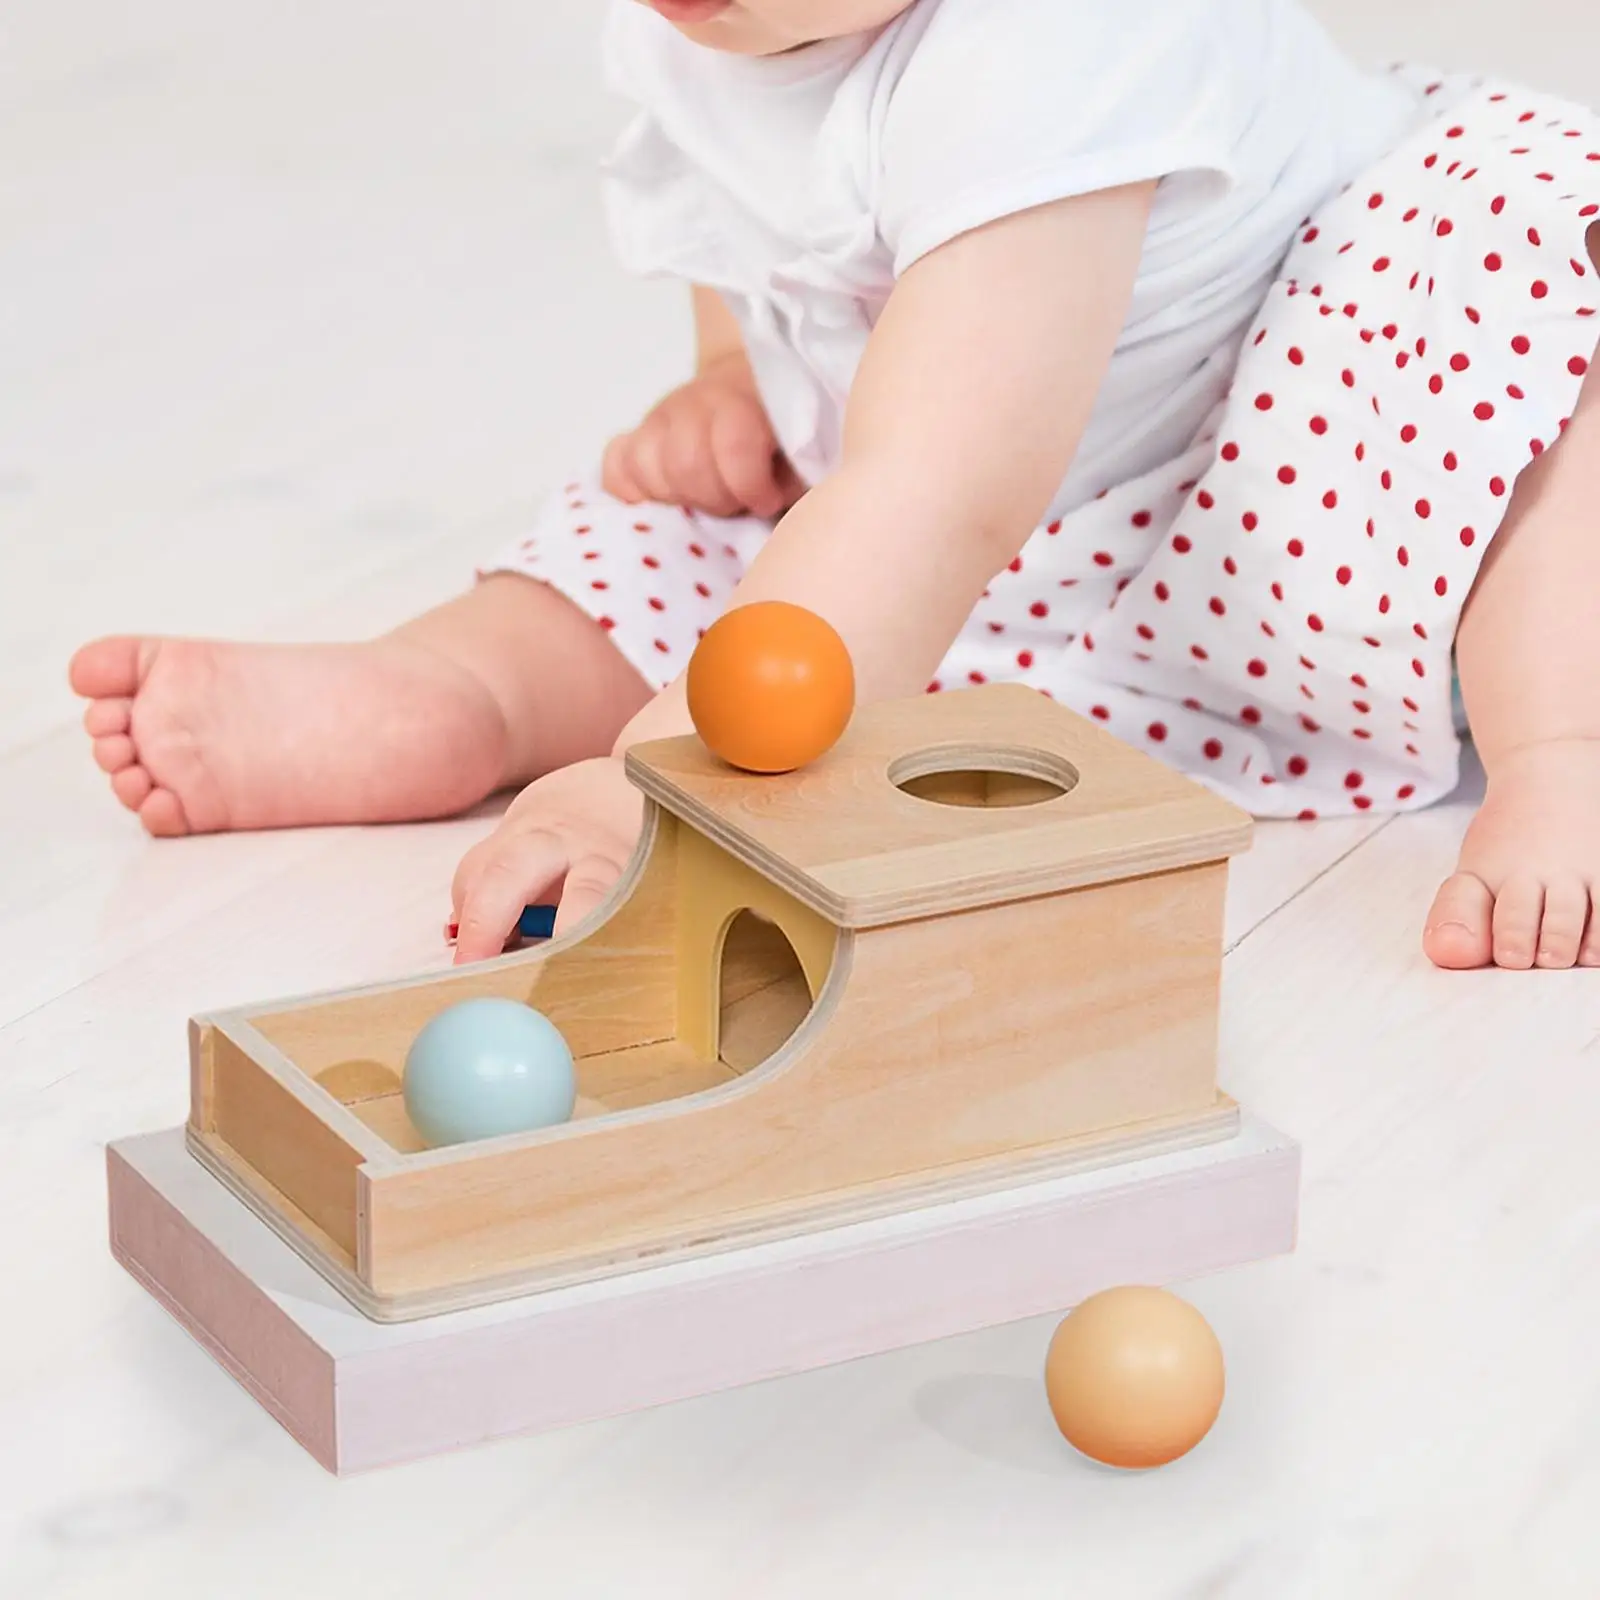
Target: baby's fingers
(517,869)
(467,870)
(620,475)
(746,458)
(589,880)
(691,467)
(615,478)
(646,466)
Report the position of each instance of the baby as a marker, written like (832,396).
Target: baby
(1150,355)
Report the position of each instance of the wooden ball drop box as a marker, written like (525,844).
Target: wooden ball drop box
(977,945)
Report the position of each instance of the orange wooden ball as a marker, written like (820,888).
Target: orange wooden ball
(1135,1377)
(771,687)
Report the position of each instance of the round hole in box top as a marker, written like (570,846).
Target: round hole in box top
(985,778)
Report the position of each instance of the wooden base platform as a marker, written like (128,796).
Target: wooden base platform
(359,1394)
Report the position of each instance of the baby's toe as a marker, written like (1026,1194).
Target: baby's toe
(104,718)
(162,815)
(1518,912)
(1566,914)
(106,669)
(1458,928)
(132,786)
(1589,948)
(113,754)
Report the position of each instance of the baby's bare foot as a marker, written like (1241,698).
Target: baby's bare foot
(200,737)
(1523,892)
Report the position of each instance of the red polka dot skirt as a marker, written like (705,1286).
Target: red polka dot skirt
(1275,611)
(655,577)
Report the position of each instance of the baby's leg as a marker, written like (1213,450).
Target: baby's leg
(489,690)
(1527,888)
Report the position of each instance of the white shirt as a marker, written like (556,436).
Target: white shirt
(801,186)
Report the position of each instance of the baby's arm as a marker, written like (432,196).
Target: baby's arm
(967,409)
(965,415)
(716,330)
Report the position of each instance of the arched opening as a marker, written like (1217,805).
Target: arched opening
(763,993)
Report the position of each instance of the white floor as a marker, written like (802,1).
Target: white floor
(300,310)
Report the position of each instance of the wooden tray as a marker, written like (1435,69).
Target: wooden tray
(977,944)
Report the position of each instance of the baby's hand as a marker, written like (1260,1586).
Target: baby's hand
(575,827)
(708,446)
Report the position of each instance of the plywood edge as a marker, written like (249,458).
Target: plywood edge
(1082,853)
(285,1371)
(1086,1153)
(201,1101)
(1191,828)
(662,792)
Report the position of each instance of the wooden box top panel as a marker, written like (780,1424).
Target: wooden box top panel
(867,835)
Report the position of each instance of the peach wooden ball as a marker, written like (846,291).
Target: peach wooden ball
(1134,1377)
(771,687)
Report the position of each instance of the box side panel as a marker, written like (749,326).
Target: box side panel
(1034,1021)
(955,1044)
(278,1138)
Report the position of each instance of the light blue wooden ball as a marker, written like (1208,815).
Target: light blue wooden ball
(488,1067)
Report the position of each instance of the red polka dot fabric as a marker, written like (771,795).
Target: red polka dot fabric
(654,577)
(1274,612)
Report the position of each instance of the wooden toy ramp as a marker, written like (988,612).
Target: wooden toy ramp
(977,945)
